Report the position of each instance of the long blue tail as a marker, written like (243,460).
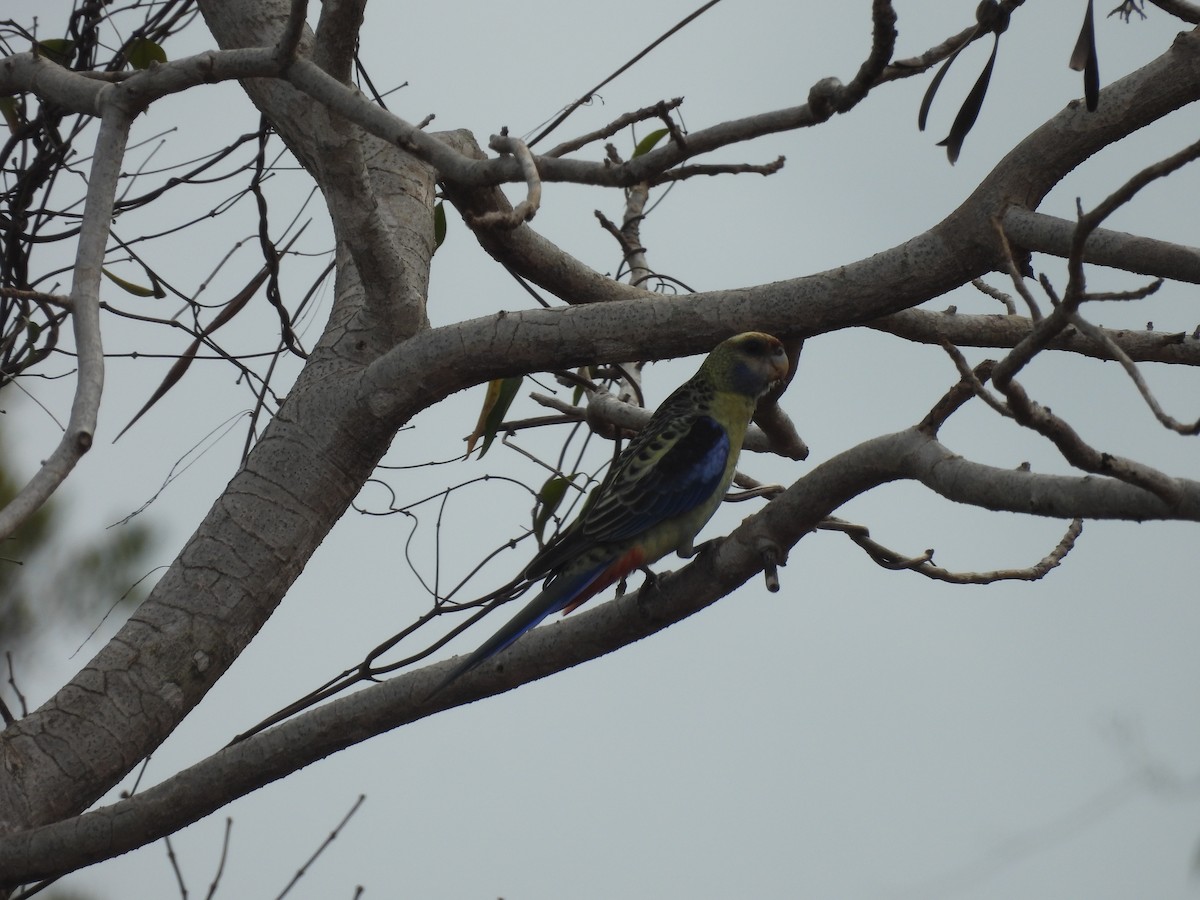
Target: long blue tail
(556,596)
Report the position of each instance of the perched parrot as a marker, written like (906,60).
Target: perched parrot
(660,492)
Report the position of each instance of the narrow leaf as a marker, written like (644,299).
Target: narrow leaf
(927,100)
(141,52)
(646,144)
(173,375)
(577,394)
(549,499)
(235,305)
(8,109)
(1084,58)
(970,109)
(439,225)
(130,288)
(59,50)
(499,397)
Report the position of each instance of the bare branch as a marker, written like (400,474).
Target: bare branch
(329,839)
(307,76)
(628,246)
(879,554)
(1131,370)
(685,172)
(915,65)
(890,559)
(1081,454)
(1090,221)
(58,300)
(780,430)
(883,45)
(527,208)
(605,407)
(1181,9)
(1016,272)
(1147,256)
(85,321)
(686,20)
(272,754)
(293,31)
(80,93)
(984,288)
(212,887)
(1033,415)
(1060,145)
(658,110)
(336,39)
(350,405)
(174,861)
(995,331)
(974,379)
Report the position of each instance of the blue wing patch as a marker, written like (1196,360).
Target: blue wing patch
(674,464)
(656,490)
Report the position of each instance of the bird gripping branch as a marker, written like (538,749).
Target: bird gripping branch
(658,495)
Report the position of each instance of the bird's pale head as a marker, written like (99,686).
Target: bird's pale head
(748,363)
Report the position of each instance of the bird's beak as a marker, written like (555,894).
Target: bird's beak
(779,367)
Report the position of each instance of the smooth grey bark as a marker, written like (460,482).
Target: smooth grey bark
(230,773)
(378,363)
(298,480)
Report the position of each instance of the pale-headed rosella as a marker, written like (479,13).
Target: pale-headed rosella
(659,493)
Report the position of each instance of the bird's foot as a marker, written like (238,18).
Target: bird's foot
(651,581)
(692,550)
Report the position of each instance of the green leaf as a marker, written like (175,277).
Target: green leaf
(577,394)
(33,331)
(136,289)
(549,499)
(499,398)
(646,144)
(439,225)
(8,109)
(141,52)
(59,50)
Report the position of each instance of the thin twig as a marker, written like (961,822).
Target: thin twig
(212,888)
(1135,375)
(995,293)
(969,376)
(1014,272)
(684,172)
(562,117)
(921,564)
(12,681)
(954,398)
(325,843)
(658,110)
(175,867)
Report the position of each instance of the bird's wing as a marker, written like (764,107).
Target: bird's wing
(673,464)
(669,474)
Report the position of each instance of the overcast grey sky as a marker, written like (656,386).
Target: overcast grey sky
(862,733)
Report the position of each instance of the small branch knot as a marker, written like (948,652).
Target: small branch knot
(772,558)
(824,97)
